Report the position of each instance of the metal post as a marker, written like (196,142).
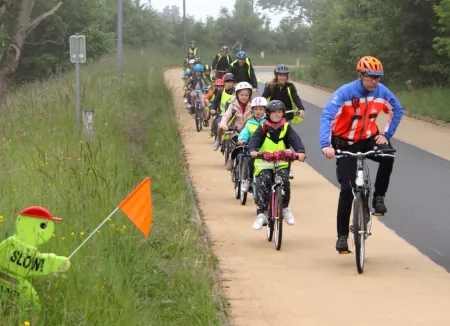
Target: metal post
(77,69)
(119,36)
(184,22)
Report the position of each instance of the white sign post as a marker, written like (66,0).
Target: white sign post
(77,56)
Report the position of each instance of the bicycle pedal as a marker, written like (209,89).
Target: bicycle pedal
(378,214)
(344,252)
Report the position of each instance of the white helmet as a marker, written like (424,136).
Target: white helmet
(243,85)
(192,61)
(259,101)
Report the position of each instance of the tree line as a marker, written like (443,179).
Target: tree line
(410,37)
(34,34)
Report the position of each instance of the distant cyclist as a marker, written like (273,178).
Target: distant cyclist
(349,123)
(243,71)
(221,63)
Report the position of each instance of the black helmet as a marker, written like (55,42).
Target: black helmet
(275,105)
(281,69)
(228,77)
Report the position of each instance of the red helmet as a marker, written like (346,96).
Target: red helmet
(219,82)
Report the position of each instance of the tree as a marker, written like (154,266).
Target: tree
(17,14)
(302,10)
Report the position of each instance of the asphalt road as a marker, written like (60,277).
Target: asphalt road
(418,192)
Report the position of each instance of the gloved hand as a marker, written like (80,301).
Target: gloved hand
(289,156)
(268,156)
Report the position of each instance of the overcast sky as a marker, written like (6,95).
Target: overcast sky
(203,8)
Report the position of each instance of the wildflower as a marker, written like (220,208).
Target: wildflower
(25,323)
(98,231)
(53,235)
(124,227)
(72,234)
(82,233)
(1,217)
(63,238)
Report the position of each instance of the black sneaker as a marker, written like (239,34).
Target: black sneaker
(341,243)
(378,205)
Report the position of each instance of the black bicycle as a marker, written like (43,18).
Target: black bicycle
(362,216)
(198,107)
(240,172)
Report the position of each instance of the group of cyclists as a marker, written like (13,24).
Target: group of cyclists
(264,124)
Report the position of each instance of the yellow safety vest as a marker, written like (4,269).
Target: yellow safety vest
(247,61)
(297,118)
(223,101)
(220,57)
(195,51)
(270,146)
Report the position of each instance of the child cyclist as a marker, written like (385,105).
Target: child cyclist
(186,75)
(238,112)
(209,98)
(208,75)
(273,135)
(197,82)
(219,106)
(258,107)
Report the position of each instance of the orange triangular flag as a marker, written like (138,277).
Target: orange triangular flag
(138,207)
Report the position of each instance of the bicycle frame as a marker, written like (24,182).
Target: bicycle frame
(362,216)
(277,181)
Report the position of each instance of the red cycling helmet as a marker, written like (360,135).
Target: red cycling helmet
(219,82)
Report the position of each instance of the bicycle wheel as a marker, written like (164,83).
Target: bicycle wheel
(198,121)
(278,218)
(269,225)
(225,145)
(237,180)
(359,231)
(255,189)
(243,176)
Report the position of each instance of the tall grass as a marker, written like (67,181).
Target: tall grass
(429,101)
(117,278)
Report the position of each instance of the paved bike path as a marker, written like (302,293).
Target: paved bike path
(306,282)
(418,195)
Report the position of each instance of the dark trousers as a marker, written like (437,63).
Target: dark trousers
(265,189)
(346,175)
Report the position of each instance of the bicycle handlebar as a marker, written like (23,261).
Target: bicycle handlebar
(376,152)
(280,155)
(293,111)
(203,90)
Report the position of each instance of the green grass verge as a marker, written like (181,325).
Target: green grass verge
(429,101)
(117,278)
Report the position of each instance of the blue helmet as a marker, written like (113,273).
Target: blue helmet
(198,67)
(241,55)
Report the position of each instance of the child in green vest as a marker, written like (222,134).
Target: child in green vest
(272,136)
(258,109)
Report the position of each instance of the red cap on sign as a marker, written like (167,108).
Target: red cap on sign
(39,212)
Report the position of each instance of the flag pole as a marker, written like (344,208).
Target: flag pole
(90,235)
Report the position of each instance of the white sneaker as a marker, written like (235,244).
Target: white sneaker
(216,144)
(288,216)
(245,185)
(259,221)
(185,100)
(291,174)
